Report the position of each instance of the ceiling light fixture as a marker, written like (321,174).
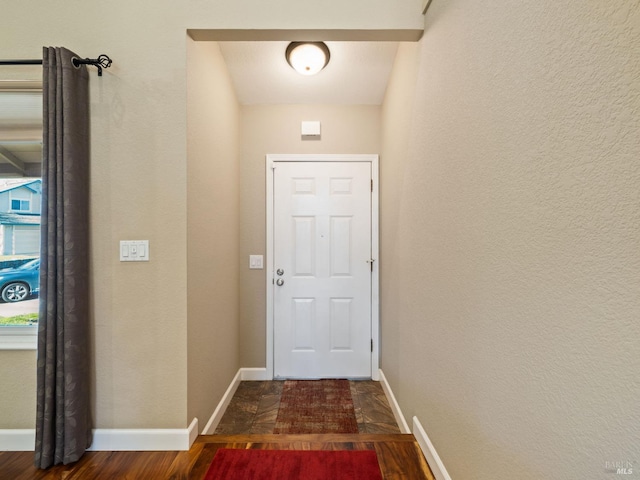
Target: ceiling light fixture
(307,58)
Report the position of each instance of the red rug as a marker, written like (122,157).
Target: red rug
(316,406)
(234,464)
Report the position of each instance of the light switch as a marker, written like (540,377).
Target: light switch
(134,250)
(255,262)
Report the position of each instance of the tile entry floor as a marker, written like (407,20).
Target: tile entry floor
(254,408)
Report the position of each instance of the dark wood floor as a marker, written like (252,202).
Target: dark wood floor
(398,454)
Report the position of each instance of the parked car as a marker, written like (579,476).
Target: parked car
(20,282)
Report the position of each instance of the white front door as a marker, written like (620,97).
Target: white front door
(322,269)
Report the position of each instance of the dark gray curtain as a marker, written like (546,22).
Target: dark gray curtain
(63,424)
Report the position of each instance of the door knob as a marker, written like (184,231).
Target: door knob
(280,272)
(280,282)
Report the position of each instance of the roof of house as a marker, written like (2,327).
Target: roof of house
(25,183)
(19,219)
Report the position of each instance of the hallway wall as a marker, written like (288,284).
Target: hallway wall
(511,227)
(213,154)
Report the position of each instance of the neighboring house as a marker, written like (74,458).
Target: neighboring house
(20,217)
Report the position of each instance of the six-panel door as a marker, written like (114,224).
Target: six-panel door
(322,274)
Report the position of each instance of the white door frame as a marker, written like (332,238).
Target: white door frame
(375,276)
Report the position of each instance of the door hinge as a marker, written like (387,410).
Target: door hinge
(372,345)
(371,185)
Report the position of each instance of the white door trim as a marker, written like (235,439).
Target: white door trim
(375,277)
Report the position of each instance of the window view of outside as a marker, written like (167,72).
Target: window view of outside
(20,194)
(19,250)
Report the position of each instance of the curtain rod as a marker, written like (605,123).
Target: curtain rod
(103,61)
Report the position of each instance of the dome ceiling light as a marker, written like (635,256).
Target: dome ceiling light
(307,58)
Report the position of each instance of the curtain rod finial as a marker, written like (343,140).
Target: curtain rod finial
(103,61)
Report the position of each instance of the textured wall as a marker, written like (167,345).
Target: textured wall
(212,229)
(276,129)
(514,258)
(396,134)
(18,381)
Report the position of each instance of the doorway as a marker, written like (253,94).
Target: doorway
(322,272)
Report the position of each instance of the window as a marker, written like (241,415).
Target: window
(19,282)
(19,278)
(20,205)
(20,200)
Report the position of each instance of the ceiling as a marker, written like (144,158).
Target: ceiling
(357,73)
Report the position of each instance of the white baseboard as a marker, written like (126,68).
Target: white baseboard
(213,422)
(142,439)
(193,432)
(113,439)
(395,407)
(244,374)
(254,374)
(18,440)
(429,451)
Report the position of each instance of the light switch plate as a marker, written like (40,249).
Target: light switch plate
(255,262)
(134,250)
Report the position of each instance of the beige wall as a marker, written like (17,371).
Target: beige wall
(511,231)
(18,382)
(276,129)
(213,123)
(396,134)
